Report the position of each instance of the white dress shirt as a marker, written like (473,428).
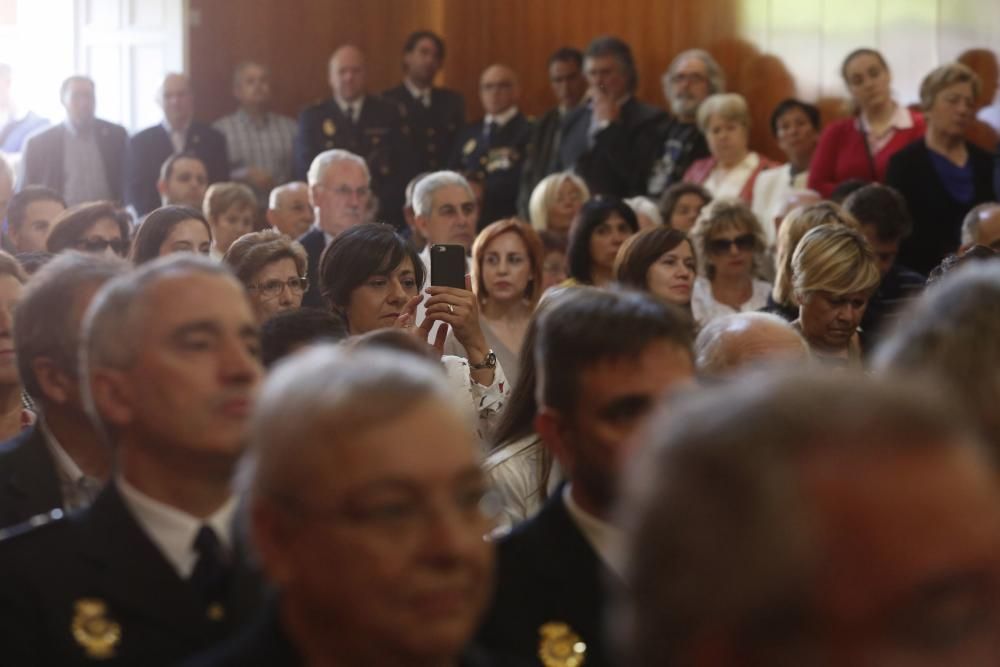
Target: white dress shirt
(705,308)
(607,540)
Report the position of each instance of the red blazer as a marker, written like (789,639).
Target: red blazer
(841,154)
(700,170)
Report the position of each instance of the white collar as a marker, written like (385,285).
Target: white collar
(356,104)
(63,459)
(607,540)
(170,130)
(174,531)
(418,93)
(501,119)
(901,119)
(326,235)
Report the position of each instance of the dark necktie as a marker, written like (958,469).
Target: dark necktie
(211,570)
(491,131)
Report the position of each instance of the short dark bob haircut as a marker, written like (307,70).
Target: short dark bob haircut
(786,105)
(593,214)
(642,250)
(156,227)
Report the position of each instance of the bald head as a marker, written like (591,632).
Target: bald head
(289,210)
(177,100)
(498,89)
(347,73)
(744,340)
(982,227)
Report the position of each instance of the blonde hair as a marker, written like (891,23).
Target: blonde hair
(221,196)
(724,214)
(946,76)
(833,258)
(795,225)
(729,106)
(545,193)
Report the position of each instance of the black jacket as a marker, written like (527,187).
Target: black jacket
(29,483)
(150,148)
(314,242)
(547,572)
(937,217)
(44,154)
(95,586)
(543,155)
(432,129)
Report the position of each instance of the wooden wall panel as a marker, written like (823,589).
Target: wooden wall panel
(769,48)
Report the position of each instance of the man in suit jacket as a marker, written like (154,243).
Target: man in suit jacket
(178,133)
(405,573)
(495,147)
(340,194)
(60,462)
(434,115)
(152,571)
(363,124)
(610,141)
(569,86)
(606,358)
(81,159)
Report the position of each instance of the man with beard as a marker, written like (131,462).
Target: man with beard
(692,76)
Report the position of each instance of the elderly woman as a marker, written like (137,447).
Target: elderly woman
(230,209)
(728,239)
(834,273)
(12,279)
(861,146)
(373,279)
(681,204)
(943,176)
(171,229)
(273,269)
(507,261)
(660,261)
(795,125)
(732,168)
(556,200)
(795,225)
(603,226)
(95,227)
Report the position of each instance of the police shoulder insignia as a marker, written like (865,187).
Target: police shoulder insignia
(469,146)
(559,646)
(329,128)
(92,629)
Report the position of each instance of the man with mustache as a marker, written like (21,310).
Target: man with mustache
(692,76)
(152,571)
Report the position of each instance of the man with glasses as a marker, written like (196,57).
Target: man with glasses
(363,124)
(692,76)
(494,148)
(367,507)
(340,193)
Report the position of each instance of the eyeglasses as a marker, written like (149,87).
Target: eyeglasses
(98,244)
(744,242)
(347,191)
(273,288)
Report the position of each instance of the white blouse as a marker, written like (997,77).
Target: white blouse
(515,470)
(705,308)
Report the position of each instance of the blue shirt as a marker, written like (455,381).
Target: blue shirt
(956,180)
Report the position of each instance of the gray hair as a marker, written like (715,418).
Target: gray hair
(949,333)
(718,348)
(716,77)
(717,531)
(423,193)
(323,161)
(44,325)
(273,199)
(110,335)
(970,224)
(338,392)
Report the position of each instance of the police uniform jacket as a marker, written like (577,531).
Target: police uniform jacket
(618,160)
(149,149)
(432,129)
(379,136)
(93,589)
(547,573)
(542,157)
(314,242)
(43,156)
(29,482)
(498,160)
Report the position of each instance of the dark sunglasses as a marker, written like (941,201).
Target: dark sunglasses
(99,245)
(743,242)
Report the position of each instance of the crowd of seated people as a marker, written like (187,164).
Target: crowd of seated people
(681,404)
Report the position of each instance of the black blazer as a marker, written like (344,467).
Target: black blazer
(542,156)
(432,129)
(619,162)
(95,584)
(43,156)
(150,148)
(497,161)
(29,483)
(547,572)
(314,241)
(937,217)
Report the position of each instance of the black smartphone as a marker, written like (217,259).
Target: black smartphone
(448,266)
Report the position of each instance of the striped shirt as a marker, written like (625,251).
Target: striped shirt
(265,145)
